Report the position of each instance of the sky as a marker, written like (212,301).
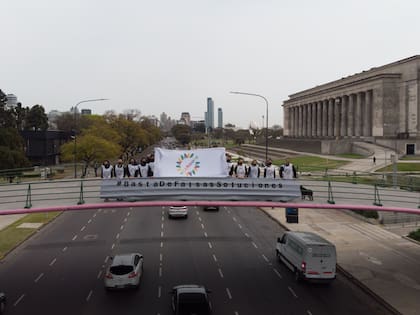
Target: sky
(170,55)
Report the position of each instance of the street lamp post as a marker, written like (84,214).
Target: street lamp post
(75,129)
(266,118)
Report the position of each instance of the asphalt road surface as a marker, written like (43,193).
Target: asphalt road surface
(60,270)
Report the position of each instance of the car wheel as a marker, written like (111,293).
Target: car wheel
(298,277)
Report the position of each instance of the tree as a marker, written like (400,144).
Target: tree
(90,148)
(36,119)
(12,154)
(182,133)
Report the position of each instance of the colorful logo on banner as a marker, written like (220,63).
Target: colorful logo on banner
(188,164)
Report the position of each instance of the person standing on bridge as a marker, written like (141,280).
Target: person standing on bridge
(119,169)
(254,170)
(269,169)
(132,169)
(229,164)
(106,170)
(151,164)
(240,170)
(144,168)
(287,170)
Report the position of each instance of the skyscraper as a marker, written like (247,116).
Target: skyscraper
(210,113)
(219,118)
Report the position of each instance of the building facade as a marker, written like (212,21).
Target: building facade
(219,118)
(380,103)
(210,113)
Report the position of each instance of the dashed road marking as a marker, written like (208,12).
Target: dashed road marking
(265,257)
(309,312)
(234,219)
(199,219)
(240,226)
(293,292)
(221,273)
(83,227)
(163,218)
(161,244)
(74,238)
(161,226)
(202,226)
(39,277)
(122,227)
(118,236)
(214,258)
(125,220)
(236,313)
(246,234)
(160,271)
(229,294)
(113,245)
(128,213)
(94,215)
(205,234)
(90,220)
(89,295)
(255,245)
(160,257)
(198,213)
(106,259)
(159,292)
(161,234)
(65,248)
(99,274)
(18,300)
(210,245)
(277,273)
(53,261)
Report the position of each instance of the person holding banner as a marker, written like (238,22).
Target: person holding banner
(132,169)
(240,170)
(106,170)
(144,168)
(230,165)
(254,170)
(287,170)
(119,169)
(151,164)
(269,170)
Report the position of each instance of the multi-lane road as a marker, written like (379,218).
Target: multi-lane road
(60,270)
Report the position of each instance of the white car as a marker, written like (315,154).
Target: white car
(125,271)
(178,212)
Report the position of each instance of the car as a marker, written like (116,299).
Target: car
(2,302)
(124,271)
(211,208)
(191,299)
(178,212)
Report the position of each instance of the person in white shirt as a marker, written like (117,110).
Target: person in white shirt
(151,164)
(269,170)
(119,169)
(132,169)
(229,164)
(254,170)
(144,168)
(287,170)
(106,170)
(240,170)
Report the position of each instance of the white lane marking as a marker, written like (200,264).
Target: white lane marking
(89,295)
(159,292)
(214,258)
(94,215)
(160,271)
(118,236)
(90,220)
(161,244)
(160,257)
(264,257)
(74,238)
(64,249)
(221,273)
(255,245)
(210,245)
(293,292)
(99,274)
(83,227)
(240,226)
(236,313)
(113,245)
(205,234)
(229,294)
(99,210)
(202,226)
(19,299)
(131,208)
(128,213)
(39,277)
(198,213)
(246,234)
(53,261)
(234,219)
(122,227)
(106,259)
(163,218)
(161,234)
(125,220)
(277,273)
(199,219)
(309,312)
(161,226)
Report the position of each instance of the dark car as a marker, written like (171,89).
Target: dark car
(190,299)
(211,208)
(2,302)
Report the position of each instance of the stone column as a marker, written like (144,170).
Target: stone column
(358,115)
(337,114)
(314,119)
(304,118)
(344,101)
(324,118)
(299,116)
(367,119)
(296,121)
(308,120)
(318,119)
(350,116)
(330,117)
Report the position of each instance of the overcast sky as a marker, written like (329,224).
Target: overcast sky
(170,55)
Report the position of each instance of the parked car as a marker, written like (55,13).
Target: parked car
(178,212)
(191,299)
(124,271)
(308,255)
(2,302)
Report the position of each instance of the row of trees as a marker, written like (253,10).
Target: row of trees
(105,137)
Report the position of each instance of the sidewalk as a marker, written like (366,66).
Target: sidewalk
(384,262)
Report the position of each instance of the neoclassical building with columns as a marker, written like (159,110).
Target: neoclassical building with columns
(376,105)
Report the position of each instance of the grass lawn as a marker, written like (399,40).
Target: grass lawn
(12,236)
(351,156)
(402,167)
(415,235)
(411,157)
(312,163)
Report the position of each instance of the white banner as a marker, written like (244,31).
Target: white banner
(190,163)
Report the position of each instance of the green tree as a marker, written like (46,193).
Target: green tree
(182,133)
(12,154)
(36,119)
(90,148)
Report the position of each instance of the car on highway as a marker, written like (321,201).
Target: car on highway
(2,302)
(178,212)
(211,208)
(191,299)
(124,271)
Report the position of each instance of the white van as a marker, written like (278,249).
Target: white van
(308,255)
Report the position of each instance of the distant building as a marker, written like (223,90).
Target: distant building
(86,112)
(219,118)
(11,100)
(206,119)
(185,116)
(210,113)
(154,120)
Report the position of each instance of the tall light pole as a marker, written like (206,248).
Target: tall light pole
(266,118)
(75,129)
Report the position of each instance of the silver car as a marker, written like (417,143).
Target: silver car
(124,271)
(178,212)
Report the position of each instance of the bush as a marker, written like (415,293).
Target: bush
(368,214)
(415,235)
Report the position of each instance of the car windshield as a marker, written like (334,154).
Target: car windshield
(121,270)
(193,308)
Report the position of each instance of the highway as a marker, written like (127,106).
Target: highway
(60,270)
